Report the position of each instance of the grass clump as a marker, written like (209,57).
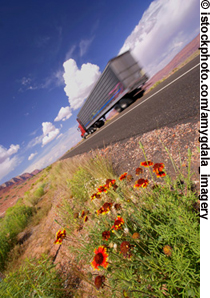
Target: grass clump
(34,198)
(87,176)
(36,278)
(14,221)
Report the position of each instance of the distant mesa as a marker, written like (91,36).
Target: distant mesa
(19,179)
(35,172)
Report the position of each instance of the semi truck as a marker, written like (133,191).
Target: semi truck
(118,86)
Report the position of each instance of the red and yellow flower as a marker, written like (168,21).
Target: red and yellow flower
(95,196)
(123,176)
(161,174)
(147,163)
(119,221)
(102,188)
(60,235)
(82,214)
(110,182)
(100,258)
(158,169)
(139,171)
(105,208)
(141,183)
(85,218)
(58,241)
(106,235)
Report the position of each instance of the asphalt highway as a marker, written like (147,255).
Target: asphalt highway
(173,101)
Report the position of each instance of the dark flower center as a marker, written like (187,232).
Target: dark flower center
(99,280)
(118,223)
(106,235)
(99,258)
(125,246)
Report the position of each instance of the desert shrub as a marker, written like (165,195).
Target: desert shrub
(26,193)
(35,197)
(39,192)
(48,168)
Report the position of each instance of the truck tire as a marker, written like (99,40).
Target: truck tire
(98,124)
(125,102)
(91,130)
(118,108)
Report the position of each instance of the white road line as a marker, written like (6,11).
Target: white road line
(144,101)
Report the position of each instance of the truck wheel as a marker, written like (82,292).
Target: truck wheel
(125,102)
(98,124)
(92,129)
(118,108)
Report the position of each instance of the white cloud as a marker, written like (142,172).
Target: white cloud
(5,153)
(59,136)
(84,45)
(49,155)
(51,136)
(55,79)
(34,142)
(47,127)
(8,164)
(64,114)
(79,82)
(164,29)
(70,52)
(49,131)
(32,156)
(25,81)
(33,132)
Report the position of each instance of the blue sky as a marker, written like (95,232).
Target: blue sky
(52,53)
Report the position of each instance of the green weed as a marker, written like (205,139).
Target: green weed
(36,278)
(14,221)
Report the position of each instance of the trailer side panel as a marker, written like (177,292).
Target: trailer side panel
(121,75)
(98,97)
